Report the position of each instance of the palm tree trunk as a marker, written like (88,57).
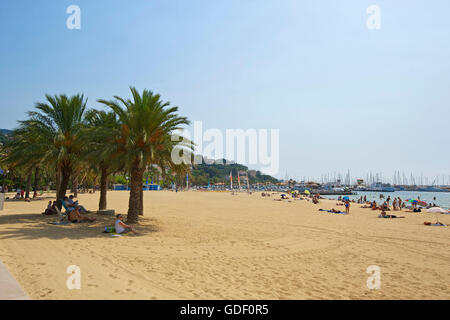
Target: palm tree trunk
(65,173)
(141,202)
(36,179)
(136,175)
(103,189)
(58,180)
(75,186)
(28,187)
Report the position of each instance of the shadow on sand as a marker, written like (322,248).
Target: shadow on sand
(36,226)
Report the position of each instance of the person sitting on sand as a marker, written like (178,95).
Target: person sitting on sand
(74,204)
(374,205)
(75,216)
(385,207)
(388,216)
(121,227)
(50,209)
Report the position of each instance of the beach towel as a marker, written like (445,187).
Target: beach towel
(340,212)
(59,223)
(112,231)
(437,225)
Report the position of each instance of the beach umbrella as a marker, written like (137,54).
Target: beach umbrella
(346,198)
(422,203)
(436,210)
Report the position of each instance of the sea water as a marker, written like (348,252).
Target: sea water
(442,198)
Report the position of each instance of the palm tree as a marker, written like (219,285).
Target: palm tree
(146,126)
(26,150)
(102,128)
(58,123)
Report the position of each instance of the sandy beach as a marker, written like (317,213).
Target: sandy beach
(213,245)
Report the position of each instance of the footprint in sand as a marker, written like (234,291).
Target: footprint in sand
(46,292)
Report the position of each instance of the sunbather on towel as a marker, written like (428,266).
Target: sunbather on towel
(388,216)
(333,210)
(437,224)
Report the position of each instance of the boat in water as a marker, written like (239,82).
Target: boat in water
(379,187)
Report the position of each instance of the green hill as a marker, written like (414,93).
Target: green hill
(220,172)
(4,133)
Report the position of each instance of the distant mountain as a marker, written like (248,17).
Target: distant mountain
(5,131)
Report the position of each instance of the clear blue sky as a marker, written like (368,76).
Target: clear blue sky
(343,96)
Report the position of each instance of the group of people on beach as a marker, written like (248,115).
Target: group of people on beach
(73,208)
(397,205)
(20,195)
(75,213)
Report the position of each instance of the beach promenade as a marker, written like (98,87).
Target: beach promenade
(9,288)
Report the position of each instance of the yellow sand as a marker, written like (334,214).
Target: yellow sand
(213,245)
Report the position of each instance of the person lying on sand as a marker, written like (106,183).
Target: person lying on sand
(388,216)
(121,227)
(434,224)
(333,210)
(75,216)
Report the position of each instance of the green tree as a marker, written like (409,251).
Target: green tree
(58,123)
(102,128)
(146,127)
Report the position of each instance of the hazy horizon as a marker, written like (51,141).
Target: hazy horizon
(344,97)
